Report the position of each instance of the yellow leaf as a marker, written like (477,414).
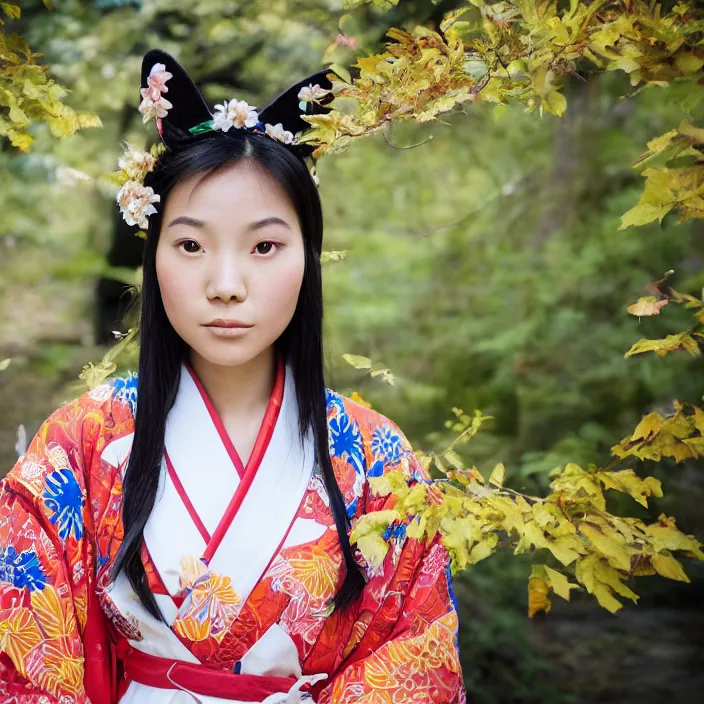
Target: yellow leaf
(483,549)
(555,103)
(689,130)
(374,548)
(564,549)
(389,483)
(538,596)
(357,361)
(94,376)
(614,579)
(559,583)
(688,63)
(657,144)
(642,214)
(626,480)
(354,396)
(588,572)
(666,536)
(12,11)
(454,459)
(497,475)
(386,374)
(332,256)
(669,567)
(671,343)
(5,363)
(647,306)
(415,498)
(648,427)
(21,140)
(457,536)
(606,599)
(531,535)
(612,546)
(342,72)
(368,66)
(416,528)
(18,116)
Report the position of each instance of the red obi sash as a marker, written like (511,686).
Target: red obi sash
(166,673)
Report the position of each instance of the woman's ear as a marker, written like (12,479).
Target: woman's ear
(188,107)
(285,108)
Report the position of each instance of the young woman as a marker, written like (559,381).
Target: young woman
(183,534)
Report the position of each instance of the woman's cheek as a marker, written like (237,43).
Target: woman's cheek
(175,292)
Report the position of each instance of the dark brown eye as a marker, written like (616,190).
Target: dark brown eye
(266,245)
(190,246)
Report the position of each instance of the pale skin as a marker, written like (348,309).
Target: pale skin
(236,254)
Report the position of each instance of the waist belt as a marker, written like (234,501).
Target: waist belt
(167,673)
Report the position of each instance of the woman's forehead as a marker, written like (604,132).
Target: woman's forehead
(240,191)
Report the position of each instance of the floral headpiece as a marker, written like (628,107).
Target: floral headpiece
(186,115)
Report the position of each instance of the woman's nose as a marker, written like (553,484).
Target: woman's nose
(227,281)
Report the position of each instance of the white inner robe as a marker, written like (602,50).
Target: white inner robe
(210,479)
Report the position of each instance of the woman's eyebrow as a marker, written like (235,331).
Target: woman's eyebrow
(193,222)
(272,220)
(185,220)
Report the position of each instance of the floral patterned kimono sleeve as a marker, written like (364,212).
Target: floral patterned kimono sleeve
(44,558)
(402,643)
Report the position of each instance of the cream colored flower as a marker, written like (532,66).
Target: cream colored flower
(278,133)
(135,202)
(314,175)
(153,105)
(311,92)
(235,113)
(136,164)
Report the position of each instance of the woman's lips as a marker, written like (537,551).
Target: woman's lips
(227,328)
(222,323)
(220,331)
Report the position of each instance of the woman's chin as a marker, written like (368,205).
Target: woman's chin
(227,354)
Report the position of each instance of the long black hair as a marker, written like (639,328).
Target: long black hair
(162,350)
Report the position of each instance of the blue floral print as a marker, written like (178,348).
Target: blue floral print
(126,390)
(386,442)
(397,531)
(377,469)
(345,438)
(21,569)
(64,499)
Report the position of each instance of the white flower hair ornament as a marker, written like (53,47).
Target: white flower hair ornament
(186,115)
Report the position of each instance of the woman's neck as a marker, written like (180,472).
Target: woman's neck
(237,391)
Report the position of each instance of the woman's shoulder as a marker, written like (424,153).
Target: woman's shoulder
(113,399)
(352,422)
(64,448)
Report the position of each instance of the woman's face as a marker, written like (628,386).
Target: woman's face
(230,252)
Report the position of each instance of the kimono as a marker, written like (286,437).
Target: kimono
(243,560)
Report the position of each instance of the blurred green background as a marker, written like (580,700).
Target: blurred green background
(484,267)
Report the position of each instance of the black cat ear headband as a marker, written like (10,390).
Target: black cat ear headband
(171,97)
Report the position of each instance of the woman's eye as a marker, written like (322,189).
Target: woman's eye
(264,247)
(189,246)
